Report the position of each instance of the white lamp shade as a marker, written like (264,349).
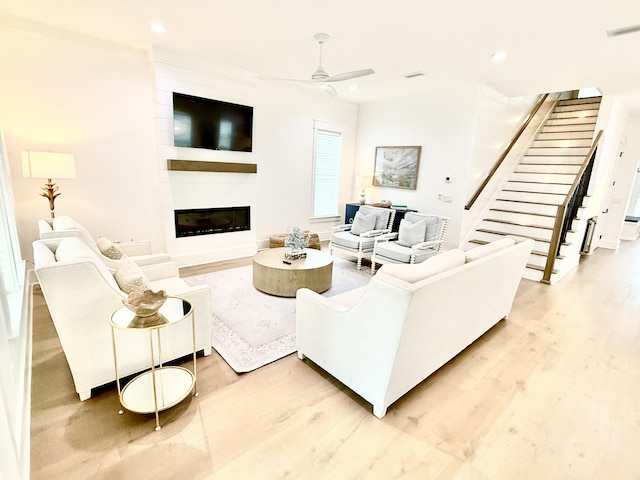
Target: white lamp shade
(48,165)
(364,181)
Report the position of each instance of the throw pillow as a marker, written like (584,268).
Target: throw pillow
(411,233)
(130,278)
(363,223)
(108,249)
(488,248)
(431,266)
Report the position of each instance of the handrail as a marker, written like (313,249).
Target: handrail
(515,138)
(557,227)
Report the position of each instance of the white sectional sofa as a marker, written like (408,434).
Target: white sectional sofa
(108,252)
(387,337)
(82,293)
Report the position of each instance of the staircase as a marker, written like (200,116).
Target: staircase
(528,202)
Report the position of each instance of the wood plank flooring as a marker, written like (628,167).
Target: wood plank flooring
(553,392)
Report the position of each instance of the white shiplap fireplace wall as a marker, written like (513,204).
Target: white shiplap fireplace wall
(187,190)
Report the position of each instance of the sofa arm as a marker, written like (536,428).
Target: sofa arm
(160,271)
(135,248)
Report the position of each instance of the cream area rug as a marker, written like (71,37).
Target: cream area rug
(251,328)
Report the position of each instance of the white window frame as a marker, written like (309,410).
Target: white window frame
(320,127)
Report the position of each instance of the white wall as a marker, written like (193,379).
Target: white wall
(612,175)
(442,120)
(280,194)
(64,92)
(92,99)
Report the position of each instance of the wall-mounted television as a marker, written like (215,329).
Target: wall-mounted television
(213,124)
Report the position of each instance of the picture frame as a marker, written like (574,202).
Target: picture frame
(397,167)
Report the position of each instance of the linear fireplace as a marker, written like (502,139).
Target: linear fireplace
(206,221)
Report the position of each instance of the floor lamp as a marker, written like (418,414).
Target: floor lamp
(48,165)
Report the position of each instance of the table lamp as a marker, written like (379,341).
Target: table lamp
(48,165)
(362,182)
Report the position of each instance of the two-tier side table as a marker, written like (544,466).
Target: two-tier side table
(161,387)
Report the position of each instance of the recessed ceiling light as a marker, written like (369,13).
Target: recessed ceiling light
(353,87)
(499,56)
(158,28)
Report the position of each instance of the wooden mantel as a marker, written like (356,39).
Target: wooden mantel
(200,166)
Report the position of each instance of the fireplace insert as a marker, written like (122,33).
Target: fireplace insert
(207,221)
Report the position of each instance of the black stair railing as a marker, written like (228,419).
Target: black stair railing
(568,209)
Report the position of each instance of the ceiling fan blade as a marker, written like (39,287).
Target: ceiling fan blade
(328,89)
(341,77)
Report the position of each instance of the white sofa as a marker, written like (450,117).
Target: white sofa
(137,250)
(82,293)
(409,320)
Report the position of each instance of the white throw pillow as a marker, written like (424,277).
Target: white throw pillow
(488,248)
(130,278)
(411,233)
(108,249)
(431,266)
(363,223)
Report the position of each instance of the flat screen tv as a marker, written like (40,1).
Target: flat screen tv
(205,123)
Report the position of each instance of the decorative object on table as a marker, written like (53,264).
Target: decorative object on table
(146,305)
(297,240)
(397,167)
(362,182)
(48,165)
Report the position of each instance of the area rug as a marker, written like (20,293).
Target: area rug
(251,328)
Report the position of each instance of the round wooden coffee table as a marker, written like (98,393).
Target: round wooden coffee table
(271,275)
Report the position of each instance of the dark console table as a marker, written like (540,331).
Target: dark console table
(352,208)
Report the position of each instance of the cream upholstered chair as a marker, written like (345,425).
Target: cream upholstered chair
(419,237)
(357,239)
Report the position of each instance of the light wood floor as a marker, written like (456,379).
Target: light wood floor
(551,393)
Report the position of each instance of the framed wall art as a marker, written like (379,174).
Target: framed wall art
(397,167)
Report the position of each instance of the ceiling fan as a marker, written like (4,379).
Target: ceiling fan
(321,78)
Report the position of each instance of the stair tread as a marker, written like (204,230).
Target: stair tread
(527,202)
(538,183)
(521,212)
(533,252)
(526,191)
(508,222)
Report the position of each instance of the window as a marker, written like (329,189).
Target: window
(326,169)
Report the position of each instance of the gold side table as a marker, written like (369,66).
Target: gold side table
(161,387)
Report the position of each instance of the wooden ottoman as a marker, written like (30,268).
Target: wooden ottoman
(277,240)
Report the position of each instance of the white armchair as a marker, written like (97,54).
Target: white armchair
(82,293)
(108,252)
(419,237)
(357,239)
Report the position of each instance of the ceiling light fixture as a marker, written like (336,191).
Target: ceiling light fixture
(158,28)
(353,87)
(499,56)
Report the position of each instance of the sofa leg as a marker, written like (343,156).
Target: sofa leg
(84,395)
(207,351)
(301,355)
(379,411)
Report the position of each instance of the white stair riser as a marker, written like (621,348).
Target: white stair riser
(534,275)
(537,187)
(579,135)
(507,229)
(573,121)
(550,169)
(522,218)
(553,160)
(559,151)
(533,197)
(582,142)
(577,107)
(490,237)
(582,113)
(583,127)
(543,177)
(527,207)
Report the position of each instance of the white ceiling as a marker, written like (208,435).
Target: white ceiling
(553,45)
